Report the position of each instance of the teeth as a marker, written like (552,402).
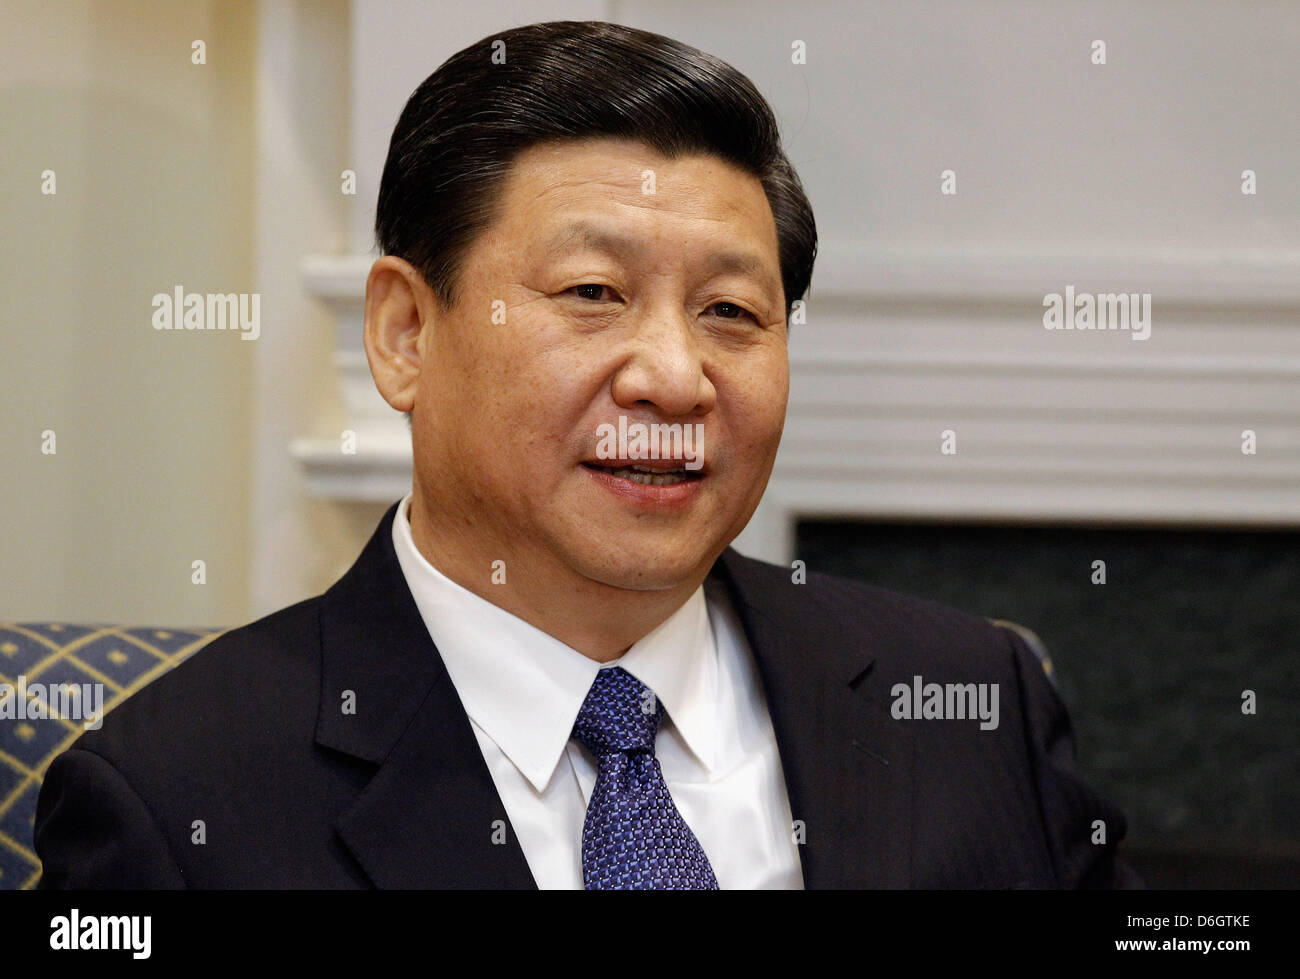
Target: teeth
(658,472)
(648,477)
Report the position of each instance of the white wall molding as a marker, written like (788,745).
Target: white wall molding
(849,270)
(1052,427)
(379,467)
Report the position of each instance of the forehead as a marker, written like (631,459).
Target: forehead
(632,184)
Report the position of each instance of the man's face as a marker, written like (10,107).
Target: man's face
(603,291)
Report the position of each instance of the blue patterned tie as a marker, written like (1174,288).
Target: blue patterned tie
(633,837)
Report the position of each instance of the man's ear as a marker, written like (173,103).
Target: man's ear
(399,305)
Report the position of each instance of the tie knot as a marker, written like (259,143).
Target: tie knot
(620,714)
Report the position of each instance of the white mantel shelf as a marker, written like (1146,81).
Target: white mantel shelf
(337,279)
(373,475)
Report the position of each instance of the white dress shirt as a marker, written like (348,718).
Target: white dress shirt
(522,689)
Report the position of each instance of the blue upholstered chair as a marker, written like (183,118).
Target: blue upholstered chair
(63,669)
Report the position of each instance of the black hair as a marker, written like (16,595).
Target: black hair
(464,125)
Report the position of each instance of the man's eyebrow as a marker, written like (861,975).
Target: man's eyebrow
(597,237)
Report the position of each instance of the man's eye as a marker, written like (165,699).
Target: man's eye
(596,292)
(588,290)
(731,311)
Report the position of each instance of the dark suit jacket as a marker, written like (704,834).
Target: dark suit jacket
(246,747)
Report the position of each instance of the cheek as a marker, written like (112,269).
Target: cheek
(554,373)
(758,403)
(481,373)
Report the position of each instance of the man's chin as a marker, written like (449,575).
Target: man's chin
(651,568)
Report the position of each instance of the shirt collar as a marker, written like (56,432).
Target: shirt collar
(524,687)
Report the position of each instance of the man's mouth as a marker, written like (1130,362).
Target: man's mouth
(649,474)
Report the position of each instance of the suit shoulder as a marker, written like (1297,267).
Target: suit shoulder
(907,629)
(265,668)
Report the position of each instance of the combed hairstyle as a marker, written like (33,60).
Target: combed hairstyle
(463,127)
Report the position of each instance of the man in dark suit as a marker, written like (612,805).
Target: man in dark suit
(548,668)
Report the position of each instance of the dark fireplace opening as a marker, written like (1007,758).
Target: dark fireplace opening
(1152,665)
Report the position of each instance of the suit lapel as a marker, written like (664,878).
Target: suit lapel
(847,763)
(431,816)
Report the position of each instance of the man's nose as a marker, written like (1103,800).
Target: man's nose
(665,367)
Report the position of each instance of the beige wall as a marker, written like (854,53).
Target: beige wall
(154,159)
